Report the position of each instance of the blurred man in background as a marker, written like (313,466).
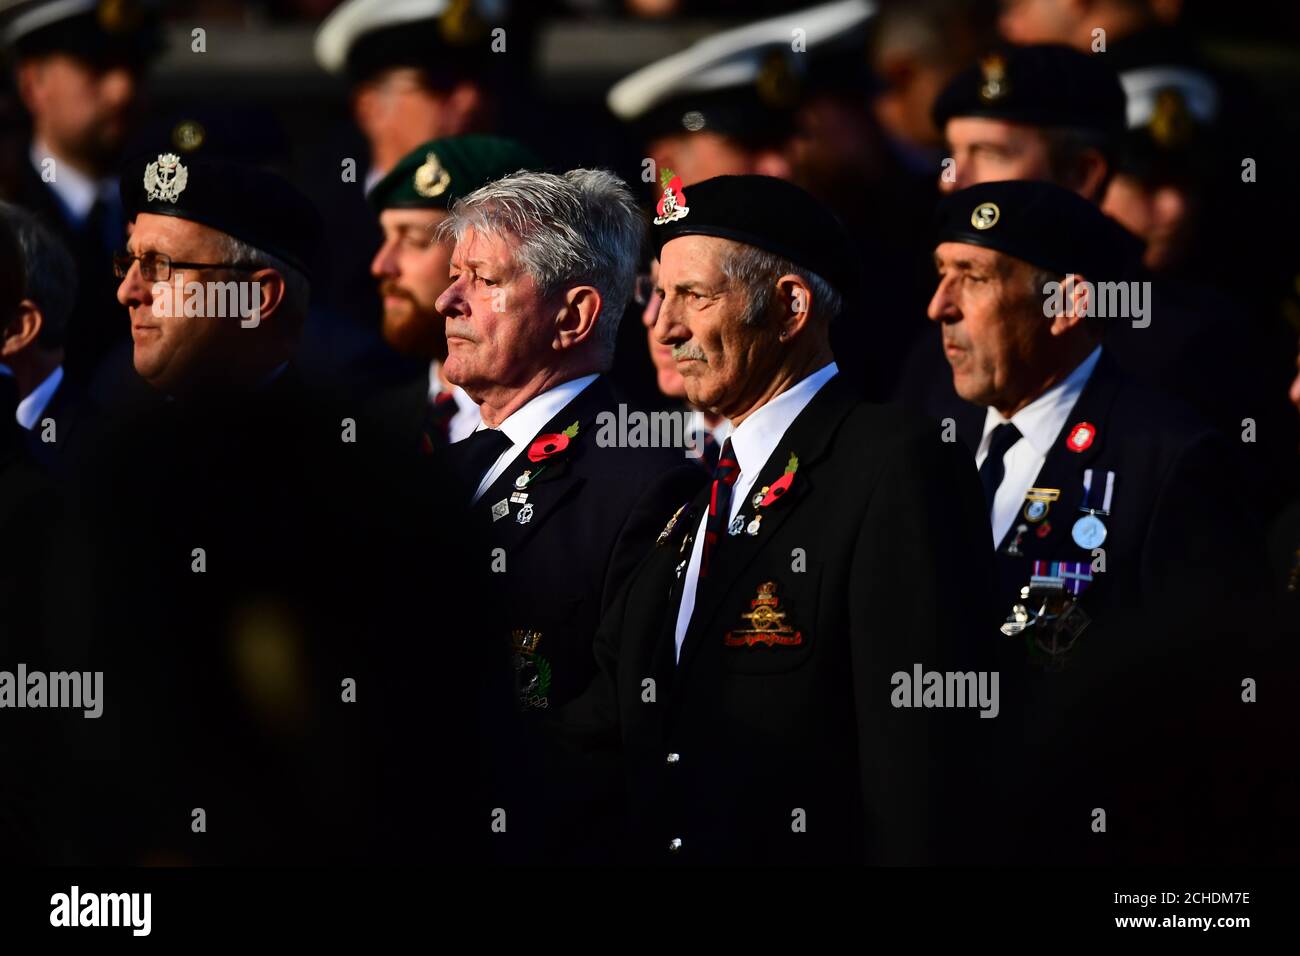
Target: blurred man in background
(78,69)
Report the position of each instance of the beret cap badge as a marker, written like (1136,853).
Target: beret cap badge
(431,179)
(165,179)
(985,216)
(995,84)
(672,205)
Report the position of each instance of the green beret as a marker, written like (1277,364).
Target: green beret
(440,171)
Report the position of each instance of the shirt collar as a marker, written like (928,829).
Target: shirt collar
(755,439)
(30,408)
(1041,420)
(76,191)
(525,422)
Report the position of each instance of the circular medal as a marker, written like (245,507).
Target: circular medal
(522,481)
(1088,532)
(752,529)
(757,500)
(1035,510)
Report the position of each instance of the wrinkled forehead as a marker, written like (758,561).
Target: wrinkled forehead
(485,245)
(695,257)
(962,256)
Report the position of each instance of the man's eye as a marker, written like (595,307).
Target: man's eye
(487,281)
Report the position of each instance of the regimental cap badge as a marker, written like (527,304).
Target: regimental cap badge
(777,84)
(432,179)
(1171,121)
(165,179)
(985,216)
(118,16)
(460,24)
(525,642)
(995,85)
(188,135)
(672,204)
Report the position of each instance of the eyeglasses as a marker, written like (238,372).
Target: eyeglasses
(157,266)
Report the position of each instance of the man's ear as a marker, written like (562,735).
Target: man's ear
(271,290)
(21,331)
(577,318)
(794,297)
(773,162)
(1076,304)
(1090,175)
(27,79)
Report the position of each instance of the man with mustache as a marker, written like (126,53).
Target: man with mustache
(1118,535)
(541,272)
(411,268)
(747,668)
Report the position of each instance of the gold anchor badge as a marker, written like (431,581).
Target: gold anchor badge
(431,179)
(767,624)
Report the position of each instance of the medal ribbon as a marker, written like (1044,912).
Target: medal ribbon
(1089,495)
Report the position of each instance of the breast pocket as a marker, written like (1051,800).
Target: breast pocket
(772,629)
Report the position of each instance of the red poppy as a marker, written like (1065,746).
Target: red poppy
(779,488)
(547,445)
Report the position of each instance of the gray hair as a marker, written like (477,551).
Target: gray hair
(50,275)
(297,287)
(757,270)
(575,228)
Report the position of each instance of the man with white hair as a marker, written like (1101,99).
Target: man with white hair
(542,270)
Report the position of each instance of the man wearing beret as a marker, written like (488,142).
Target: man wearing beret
(542,270)
(1118,533)
(266,572)
(411,269)
(747,669)
(78,66)
(1057,115)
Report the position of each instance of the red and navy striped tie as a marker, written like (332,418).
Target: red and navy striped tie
(715,525)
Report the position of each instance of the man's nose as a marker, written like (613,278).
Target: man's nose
(941,304)
(451,301)
(669,329)
(384,264)
(133,288)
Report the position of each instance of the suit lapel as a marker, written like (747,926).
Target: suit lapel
(552,481)
(1063,467)
(808,437)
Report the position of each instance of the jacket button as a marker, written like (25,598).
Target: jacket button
(675,845)
(674,758)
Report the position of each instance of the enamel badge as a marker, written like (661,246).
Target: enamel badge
(767,624)
(1081,436)
(672,204)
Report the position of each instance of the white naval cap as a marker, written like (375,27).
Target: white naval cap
(91,28)
(1143,89)
(736,59)
(456,22)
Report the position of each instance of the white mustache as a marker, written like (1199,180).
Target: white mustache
(688,351)
(460,331)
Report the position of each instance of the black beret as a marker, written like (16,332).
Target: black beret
(761,211)
(1041,223)
(1044,85)
(244,201)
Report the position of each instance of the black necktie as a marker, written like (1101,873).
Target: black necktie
(725,474)
(472,457)
(992,471)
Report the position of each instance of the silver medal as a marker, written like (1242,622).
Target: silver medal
(525,514)
(522,481)
(752,529)
(1088,532)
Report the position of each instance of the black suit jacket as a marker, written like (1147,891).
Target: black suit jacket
(594,512)
(878,558)
(1173,620)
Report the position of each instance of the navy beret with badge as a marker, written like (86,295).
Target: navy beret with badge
(245,201)
(761,211)
(1043,224)
(100,31)
(438,172)
(1044,85)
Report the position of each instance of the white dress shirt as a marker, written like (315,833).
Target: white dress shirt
(466,419)
(30,408)
(76,191)
(752,442)
(1039,423)
(524,424)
